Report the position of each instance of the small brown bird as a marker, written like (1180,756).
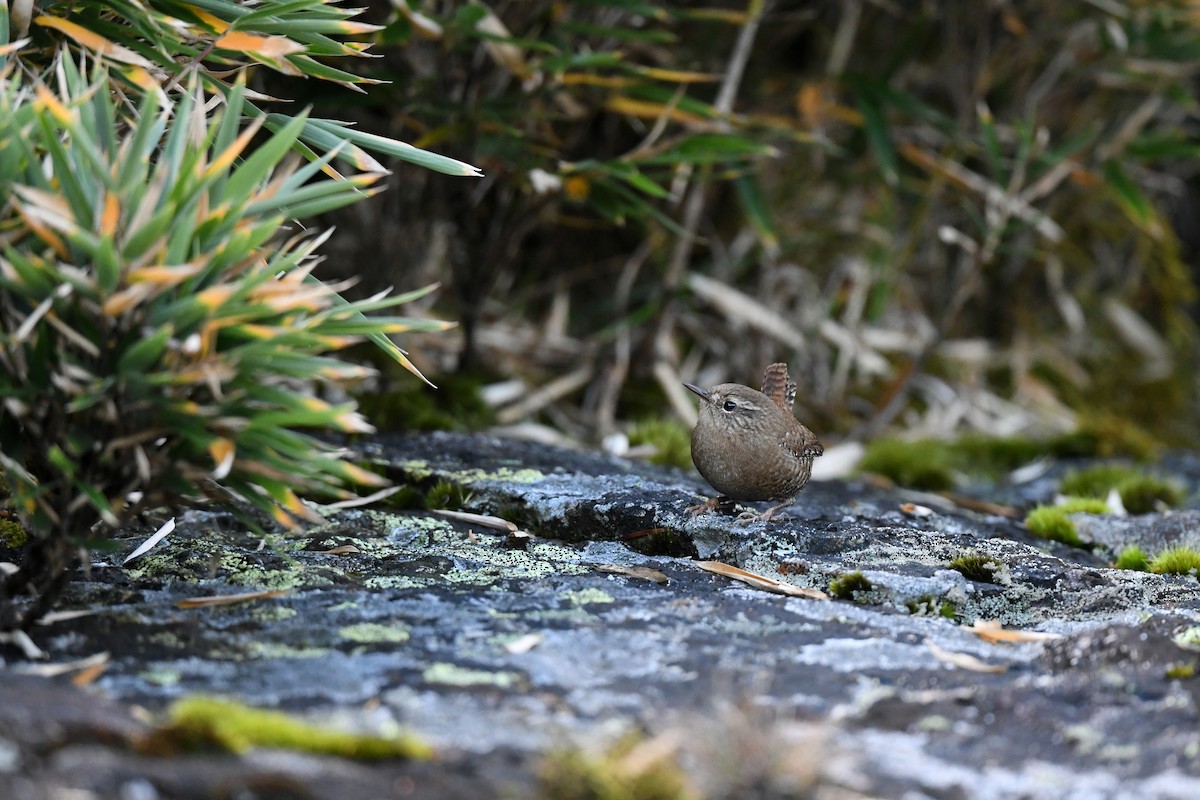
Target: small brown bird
(748,444)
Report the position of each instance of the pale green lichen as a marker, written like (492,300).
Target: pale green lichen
(160,676)
(586,596)
(269,651)
(454,675)
(375,633)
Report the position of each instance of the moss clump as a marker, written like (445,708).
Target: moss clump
(1051,522)
(447,495)
(457,404)
(616,775)
(12,534)
(1105,436)
(977,567)
(920,465)
(843,587)
(1083,505)
(1145,493)
(206,723)
(672,441)
(1176,561)
(927,606)
(1133,557)
(1140,493)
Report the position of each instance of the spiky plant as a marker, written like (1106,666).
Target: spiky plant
(156,336)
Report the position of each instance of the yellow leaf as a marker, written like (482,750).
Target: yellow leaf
(266,46)
(215,23)
(677,75)
(110,215)
(164,275)
(93,41)
(990,630)
(48,100)
(222,452)
(230,153)
(650,110)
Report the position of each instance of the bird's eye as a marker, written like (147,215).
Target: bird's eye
(729,405)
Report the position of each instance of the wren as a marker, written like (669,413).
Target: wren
(748,444)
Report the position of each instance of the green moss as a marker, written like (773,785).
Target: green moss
(615,775)
(206,723)
(1133,557)
(1145,493)
(1176,561)
(843,587)
(993,455)
(1051,522)
(1105,436)
(12,534)
(454,675)
(919,465)
(928,606)
(671,440)
(1083,505)
(456,404)
(1140,493)
(977,567)
(445,494)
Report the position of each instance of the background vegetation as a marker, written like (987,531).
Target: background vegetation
(945,216)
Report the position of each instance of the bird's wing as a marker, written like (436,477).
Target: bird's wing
(778,386)
(803,442)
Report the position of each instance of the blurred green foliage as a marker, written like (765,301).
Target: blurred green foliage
(891,183)
(1140,493)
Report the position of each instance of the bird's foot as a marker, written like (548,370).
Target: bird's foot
(746,517)
(723,504)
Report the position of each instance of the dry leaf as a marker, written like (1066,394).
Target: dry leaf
(229,599)
(990,630)
(88,672)
(760,581)
(365,501)
(64,616)
(645,573)
(486,520)
(963,660)
(914,510)
(524,643)
(91,667)
(147,545)
(340,550)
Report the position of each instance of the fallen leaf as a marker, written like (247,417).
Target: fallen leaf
(91,667)
(340,550)
(147,545)
(229,599)
(645,573)
(760,581)
(64,616)
(990,630)
(365,501)
(914,510)
(486,520)
(963,660)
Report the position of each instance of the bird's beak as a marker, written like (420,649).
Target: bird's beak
(701,393)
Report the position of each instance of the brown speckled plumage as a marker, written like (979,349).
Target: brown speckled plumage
(749,446)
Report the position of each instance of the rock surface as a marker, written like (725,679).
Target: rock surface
(498,648)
